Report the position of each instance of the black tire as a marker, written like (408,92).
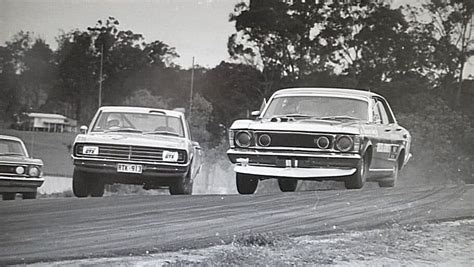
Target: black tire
(390,182)
(246,184)
(96,187)
(287,185)
(357,180)
(29,195)
(183,185)
(80,186)
(8,196)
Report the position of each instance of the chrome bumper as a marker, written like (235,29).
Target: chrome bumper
(19,184)
(294,164)
(300,173)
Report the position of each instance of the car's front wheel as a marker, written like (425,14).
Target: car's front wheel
(357,180)
(246,184)
(80,186)
(96,187)
(8,196)
(183,185)
(287,185)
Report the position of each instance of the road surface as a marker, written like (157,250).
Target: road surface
(71,228)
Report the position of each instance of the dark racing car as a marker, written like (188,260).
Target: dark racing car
(19,173)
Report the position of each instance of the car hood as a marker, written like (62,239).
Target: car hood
(20,160)
(134,139)
(301,125)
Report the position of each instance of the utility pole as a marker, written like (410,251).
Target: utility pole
(192,87)
(100,74)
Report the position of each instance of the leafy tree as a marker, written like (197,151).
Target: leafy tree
(77,71)
(39,74)
(453,21)
(144,98)
(276,36)
(12,66)
(234,91)
(448,40)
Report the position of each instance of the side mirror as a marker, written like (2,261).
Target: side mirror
(196,145)
(83,129)
(255,113)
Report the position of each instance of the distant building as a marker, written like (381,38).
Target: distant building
(46,122)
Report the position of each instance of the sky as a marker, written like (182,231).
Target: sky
(198,28)
(195,28)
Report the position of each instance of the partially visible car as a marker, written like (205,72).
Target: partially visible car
(135,145)
(19,173)
(316,134)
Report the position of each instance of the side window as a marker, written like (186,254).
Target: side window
(383,113)
(375,112)
(188,130)
(390,118)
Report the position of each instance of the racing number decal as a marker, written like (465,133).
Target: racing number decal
(388,148)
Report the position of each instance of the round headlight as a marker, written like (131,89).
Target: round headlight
(242,139)
(264,140)
(20,170)
(322,142)
(344,143)
(34,171)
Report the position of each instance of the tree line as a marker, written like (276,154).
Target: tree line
(399,52)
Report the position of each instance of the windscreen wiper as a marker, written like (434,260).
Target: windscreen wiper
(163,133)
(129,130)
(11,154)
(338,118)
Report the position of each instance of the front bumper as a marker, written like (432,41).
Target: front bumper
(10,184)
(293,164)
(109,168)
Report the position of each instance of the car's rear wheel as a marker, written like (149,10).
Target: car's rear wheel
(80,186)
(287,185)
(8,196)
(29,195)
(183,185)
(246,184)
(357,180)
(390,182)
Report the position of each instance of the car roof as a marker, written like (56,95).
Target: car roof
(328,91)
(173,113)
(9,137)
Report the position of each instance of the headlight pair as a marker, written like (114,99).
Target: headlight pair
(245,139)
(32,171)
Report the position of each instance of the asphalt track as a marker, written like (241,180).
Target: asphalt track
(70,228)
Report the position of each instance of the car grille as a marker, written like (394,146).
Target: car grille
(9,170)
(296,140)
(129,153)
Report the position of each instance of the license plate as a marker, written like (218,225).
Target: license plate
(170,156)
(129,168)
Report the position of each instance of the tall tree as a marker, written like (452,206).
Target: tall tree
(452,22)
(78,73)
(277,36)
(39,74)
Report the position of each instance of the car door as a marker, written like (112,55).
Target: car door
(376,138)
(389,135)
(197,153)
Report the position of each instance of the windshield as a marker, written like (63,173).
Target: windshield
(148,123)
(317,106)
(11,148)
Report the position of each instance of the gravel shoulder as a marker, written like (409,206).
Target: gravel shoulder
(445,243)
